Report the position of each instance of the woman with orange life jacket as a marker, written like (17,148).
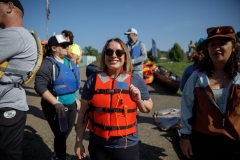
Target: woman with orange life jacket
(109,103)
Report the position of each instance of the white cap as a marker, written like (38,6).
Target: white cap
(131,30)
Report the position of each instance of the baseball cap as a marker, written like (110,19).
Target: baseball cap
(221,31)
(16,3)
(57,39)
(131,30)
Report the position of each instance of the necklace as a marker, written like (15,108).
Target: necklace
(224,77)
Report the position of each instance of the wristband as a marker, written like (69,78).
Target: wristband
(184,136)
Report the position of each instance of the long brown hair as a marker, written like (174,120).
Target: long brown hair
(231,67)
(127,66)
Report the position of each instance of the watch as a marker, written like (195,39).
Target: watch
(184,136)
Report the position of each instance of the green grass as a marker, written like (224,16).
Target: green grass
(176,67)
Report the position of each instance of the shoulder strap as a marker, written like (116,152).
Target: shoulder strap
(53,67)
(39,57)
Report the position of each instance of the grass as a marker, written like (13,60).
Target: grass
(176,67)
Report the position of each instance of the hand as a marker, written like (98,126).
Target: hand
(78,105)
(186,147)
(80,150)
(60,109)
(135,93)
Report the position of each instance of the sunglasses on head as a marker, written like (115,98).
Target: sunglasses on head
(119,52)
(220,30)
(63,46)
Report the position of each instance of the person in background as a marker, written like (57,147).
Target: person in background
(196,57)
(57,82)
(210,110)
(17,48)
(92,67)
(44,47)
(74,51)
(109,105)
(191,48)
(137,50)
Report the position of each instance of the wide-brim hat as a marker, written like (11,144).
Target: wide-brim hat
(221,31)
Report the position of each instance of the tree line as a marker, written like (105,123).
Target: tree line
(175,54)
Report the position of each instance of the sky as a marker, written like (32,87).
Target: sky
(93,22)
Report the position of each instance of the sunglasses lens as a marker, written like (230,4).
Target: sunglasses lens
(119,52)
(209,30)
(63,46)
(221,30)
(109,52)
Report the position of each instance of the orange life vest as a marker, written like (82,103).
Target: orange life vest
(112,111)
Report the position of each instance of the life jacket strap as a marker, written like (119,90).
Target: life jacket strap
(111,128)
(108,91)
(105,109)
(111,110)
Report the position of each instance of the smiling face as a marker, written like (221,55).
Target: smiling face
(220,49)
(114,63)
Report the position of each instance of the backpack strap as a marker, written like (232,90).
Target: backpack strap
(26,75)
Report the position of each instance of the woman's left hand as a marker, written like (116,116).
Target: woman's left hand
(135,93)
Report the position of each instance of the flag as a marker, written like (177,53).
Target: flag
(154,49)
(47,9)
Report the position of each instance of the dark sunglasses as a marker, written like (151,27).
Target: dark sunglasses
(220,30)
(119,52)
(63,46)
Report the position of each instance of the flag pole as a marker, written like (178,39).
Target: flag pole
(47,17)
(46,28)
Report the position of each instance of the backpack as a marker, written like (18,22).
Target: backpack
(27,76)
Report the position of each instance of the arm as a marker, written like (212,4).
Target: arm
(42,81)
(8,50)
(138,90)
(86,95)
(143,57)
(186,114)
(79,148)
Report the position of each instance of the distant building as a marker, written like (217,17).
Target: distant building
(164,55)
(86,60)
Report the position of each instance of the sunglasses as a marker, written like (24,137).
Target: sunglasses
(119,52)
(63,46)
(220,30)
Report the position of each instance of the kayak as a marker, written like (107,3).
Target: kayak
(168,78)
(148,76)
(148,72)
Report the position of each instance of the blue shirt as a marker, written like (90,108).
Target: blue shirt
(115,142)
(186,74)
